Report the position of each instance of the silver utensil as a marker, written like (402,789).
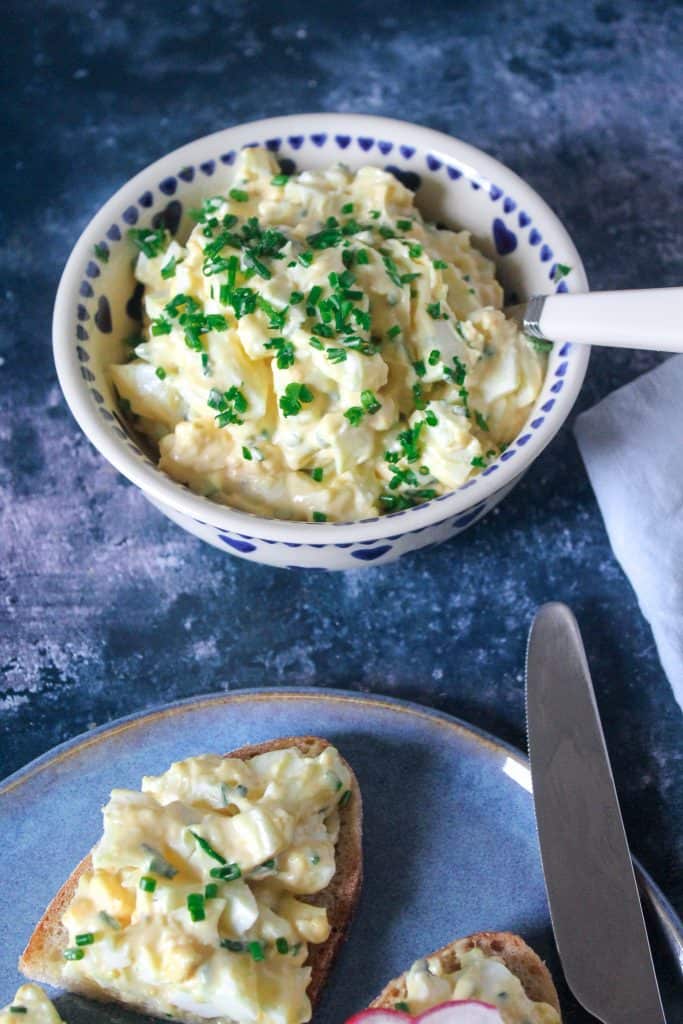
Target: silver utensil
(649,318)
(594,907)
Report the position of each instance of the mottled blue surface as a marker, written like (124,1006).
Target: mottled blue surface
(106,606)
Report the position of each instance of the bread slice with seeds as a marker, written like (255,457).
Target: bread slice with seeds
(509,949)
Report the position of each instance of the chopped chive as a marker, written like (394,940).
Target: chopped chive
(195,906)
(295,395)
(540,344)
(394,331)
(228,873)
(347,208)
(481,421)
(18,1009)
(160,326)
(439,265)
(285,352)
(281,944)
(148,240)
(348,257)
(561,270)
(208,848)
(434,310)
(415,251)
(233,945)
(407,278)
(210,891)
(74,954)
(402,1006)
(316,343)
(279,179)
(363,257)
(314,859)
(375,214)
(276,317)
(319,517)
(479,462)
(256,950)
(430,417)
(246,454)
(305,259)
(370,402)
(419,367)
(345,797)
(317,474)
(336,355)
(168,270)
(328,238)
(295,298)
(147,883)
(404,225)
(239,195)
(314,295)
(354,415)
(227,405)
(434,357)
(418,397)
(160,372)
(110,921)
(85,939)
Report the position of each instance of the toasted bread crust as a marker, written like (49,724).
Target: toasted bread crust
(42,959)
(519,958)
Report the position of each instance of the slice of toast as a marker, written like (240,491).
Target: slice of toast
(42,959)
(513,951)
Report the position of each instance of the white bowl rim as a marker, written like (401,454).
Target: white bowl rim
(163,489)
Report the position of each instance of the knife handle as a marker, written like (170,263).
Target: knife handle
(648,318)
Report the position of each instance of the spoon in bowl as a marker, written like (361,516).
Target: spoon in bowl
(650,318)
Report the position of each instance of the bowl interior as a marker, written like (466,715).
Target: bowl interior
(455,185)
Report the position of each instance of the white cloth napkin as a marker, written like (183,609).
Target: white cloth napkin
(632,445)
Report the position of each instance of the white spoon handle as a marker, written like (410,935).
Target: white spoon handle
(651,318)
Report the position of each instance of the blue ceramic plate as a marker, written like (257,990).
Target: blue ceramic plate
(450,841)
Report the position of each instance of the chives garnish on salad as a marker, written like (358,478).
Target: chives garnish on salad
(321,320)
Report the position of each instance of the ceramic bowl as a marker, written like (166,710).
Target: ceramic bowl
(98,305)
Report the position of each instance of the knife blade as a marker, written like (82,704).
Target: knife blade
(594,906)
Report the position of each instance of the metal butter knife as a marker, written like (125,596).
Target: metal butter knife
(594,906)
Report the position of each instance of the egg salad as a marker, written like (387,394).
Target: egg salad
(30,1006)
(481,977)
(317,351)
(196,898)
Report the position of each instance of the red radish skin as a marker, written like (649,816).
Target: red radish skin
(460,1011)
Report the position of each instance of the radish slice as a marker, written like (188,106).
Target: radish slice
(379,1017)
(461,1011)
(464,1011)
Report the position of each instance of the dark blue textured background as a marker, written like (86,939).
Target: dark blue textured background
(106,606)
